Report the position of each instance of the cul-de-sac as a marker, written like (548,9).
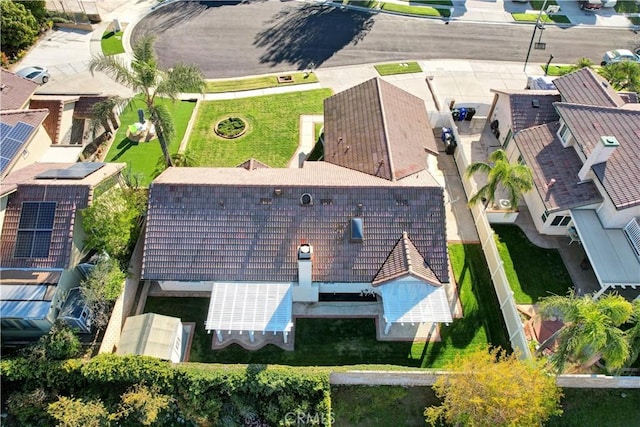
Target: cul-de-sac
(320,212)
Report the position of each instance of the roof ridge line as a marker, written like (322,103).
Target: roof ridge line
(385,128)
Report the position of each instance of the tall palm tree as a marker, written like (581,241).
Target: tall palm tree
(623,75)
(514,178)
(592,330)
(582,63)
(145,77)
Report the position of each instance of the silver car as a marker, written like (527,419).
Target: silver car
(36,74)
(619,55)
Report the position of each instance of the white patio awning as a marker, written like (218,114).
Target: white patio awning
(414,302)
(612,258)
(250,307)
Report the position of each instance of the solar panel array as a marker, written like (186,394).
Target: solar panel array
(76,171)
(34,229)
(12,139)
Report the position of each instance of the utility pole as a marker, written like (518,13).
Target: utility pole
(533,36)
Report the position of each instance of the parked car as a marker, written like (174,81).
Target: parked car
(36,74)
(619,55)
(590,4)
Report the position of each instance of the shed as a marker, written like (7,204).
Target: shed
(152,335)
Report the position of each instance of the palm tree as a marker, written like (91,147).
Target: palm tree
(144,76)
(592,330)
(515,179)
(582,63)
(623,75)
(633,333)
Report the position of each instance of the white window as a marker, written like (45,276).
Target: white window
(565,135)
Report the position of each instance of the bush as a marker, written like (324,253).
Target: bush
(60,343)
(29,407)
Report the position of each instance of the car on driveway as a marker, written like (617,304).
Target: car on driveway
(619,55)
(36,74)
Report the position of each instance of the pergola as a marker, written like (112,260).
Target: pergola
(250,307)
(414,302)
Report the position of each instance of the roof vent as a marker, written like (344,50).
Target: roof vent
(609,141)
(277,192)
(305,251)
(535,103)
(306,199)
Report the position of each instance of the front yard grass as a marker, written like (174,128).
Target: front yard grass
(414,10)
(273,128)
(261,82)
(398,68)
(338,342)
(557,70)
(111,43)
(143,157)
(533,17)
(533,272)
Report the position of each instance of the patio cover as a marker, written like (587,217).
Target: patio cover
(414,302)
(265,307)
(609,251)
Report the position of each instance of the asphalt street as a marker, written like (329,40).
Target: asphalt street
(238,39)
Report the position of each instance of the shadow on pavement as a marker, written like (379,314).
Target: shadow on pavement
(307,36)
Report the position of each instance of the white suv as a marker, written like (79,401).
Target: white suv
(619,55)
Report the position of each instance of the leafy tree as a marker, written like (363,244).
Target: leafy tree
(144,76)
(515,179)
(141,405)
(112,222)
(101,288)
(495,389)
(60,343)
(70,412)
(183,160)
(591,331)
(38,9)
(19,27)
(623,75)
(633,333)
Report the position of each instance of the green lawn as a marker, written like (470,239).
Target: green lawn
(387,406)
(627,6)
(338,342)
(398,406)
(143,157)
(557,70)
(273,128)
(398,68)
(432,2)
(533,272)
(111,43)
(415,10)
(533,17)
(261,82)
(537,4)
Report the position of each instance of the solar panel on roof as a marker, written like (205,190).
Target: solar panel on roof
(34,229)
(76,171)
(4,130)
(20,132)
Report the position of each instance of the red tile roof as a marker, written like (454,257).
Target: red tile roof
(403,261)
(378,129)
(12,153)
(52,122)
(15,91)
(232,224)
(586,87)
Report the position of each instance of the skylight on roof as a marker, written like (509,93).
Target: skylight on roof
(357,229)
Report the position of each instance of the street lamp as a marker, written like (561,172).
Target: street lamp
(533,36)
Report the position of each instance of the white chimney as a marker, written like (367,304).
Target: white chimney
(600,153)
(305,255)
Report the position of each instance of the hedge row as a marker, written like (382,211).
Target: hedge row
(204,394)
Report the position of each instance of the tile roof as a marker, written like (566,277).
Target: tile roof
(54,119)
(629,97)
(12,152)
(252,164)
(70,196)
(586,87)
(378,129)
(84,107)
(619,175)
(405,260)
(231,224)
(548,159)
(15,90)
(525,115)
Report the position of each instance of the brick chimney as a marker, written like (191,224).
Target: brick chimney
(601,152)
(305,263)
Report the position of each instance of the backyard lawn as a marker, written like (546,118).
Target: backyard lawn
(337,342)
(393,406)
(143,157)
(533,272)
(273,128)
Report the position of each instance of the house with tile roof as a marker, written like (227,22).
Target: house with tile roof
(23,139)
(366,222)
(41,241)
(586,164)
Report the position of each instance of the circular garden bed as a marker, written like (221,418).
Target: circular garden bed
(230,127)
